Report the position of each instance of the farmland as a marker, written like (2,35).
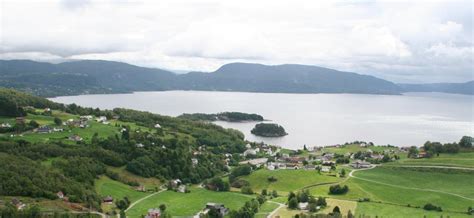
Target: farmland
(181,204)
(288,180)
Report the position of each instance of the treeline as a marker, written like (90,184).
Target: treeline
(436,148)
(224,116)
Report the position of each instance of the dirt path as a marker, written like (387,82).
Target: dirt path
(433,166)
(280,205)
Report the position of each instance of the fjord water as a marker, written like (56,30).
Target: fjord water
(315,119)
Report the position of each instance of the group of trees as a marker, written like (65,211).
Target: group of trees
(249,209)
(303,197)
(338,189)
(436,148)
(430,206)
(224,116)
(217,184)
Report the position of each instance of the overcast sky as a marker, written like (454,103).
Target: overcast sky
(422,41)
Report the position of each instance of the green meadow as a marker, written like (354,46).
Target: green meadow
(287,180)
(353,148)
(462,159)
(188,204)
(106,186)
(372,210)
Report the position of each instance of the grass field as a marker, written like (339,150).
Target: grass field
(266,209)
(372,210)
(149,183)
(403,186)
(355,148)
(344,205)
(106,186)
(451,181)
(463,159)
(288,180)
(181,204)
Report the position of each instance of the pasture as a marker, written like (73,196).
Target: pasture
(287,180)
(106,186)
(188,204)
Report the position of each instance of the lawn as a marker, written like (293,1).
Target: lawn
(368,209)
(287,180)
(464,159)
(181,204)
(106,186)
(344,205)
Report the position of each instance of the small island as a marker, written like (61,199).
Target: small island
(224,116)
(269,130)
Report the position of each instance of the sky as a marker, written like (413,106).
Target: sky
(401,41)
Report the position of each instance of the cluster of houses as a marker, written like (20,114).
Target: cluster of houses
(260,148)
(47,129)
(153,213)
(5,125)
(18,204)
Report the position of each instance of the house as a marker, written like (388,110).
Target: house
(75,138)
(310,167)
(219,208)
(18,204)
(157,126)
(325,169)
(303,205)
(86,117)
(44,129)
(181,188)
(292,166)
(194,161)
(270,167)
(108,200)
(140,188)
(360,164)
(281,166)
(58,129)
(421,154)
(295,159)
(175,183)
(5,125)
(248,146)
(60,195)
(153,213)
(257,162)
(101,119)
(249,152)
(328,156)
(20,120)
(377,156)
(328,163)
(139,145)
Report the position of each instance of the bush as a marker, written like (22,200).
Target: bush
(430,206)
(338,190)
(246,190)
(272,179)
(240,183)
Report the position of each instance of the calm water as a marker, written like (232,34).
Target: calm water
(315,119)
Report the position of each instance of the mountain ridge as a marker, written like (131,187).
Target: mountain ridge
(99,77)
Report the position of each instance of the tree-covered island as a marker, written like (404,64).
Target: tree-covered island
(269,130)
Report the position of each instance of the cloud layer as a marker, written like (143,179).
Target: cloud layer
(427,41)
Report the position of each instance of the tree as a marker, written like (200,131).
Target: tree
(349,214)
(33,124)
(466,142)
(246,190)
(264,192)
(338,189)
(293,203)
(274,193)
(343,173)
(58,121)
(291,195)
(336,210)
(162,207)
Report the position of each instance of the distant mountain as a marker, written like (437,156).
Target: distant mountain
(466,88)
(288,78)
(95,76)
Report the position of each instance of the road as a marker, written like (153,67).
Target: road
(280,205)
(141,199)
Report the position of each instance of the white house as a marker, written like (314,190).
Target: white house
(101,119)
(157,126)
(325,169)
(303,205)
